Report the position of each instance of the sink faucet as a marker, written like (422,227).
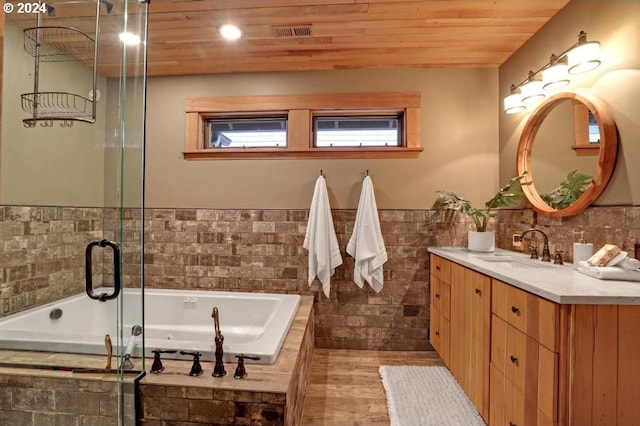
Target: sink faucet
(546,255)
(218,369)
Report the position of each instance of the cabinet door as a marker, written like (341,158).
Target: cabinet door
(479,329)
(470,318)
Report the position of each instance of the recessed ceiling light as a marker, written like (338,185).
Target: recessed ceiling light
(130,39)
(230,32)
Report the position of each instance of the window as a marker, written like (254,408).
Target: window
(356,125)
(247,132)
(358,131)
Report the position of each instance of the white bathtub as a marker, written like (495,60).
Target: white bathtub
(251,323)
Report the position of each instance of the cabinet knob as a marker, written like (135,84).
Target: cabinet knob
(437,295)
(437,333)
(478,291)
(515,310)
(512,424)
(513,359)
(437,268)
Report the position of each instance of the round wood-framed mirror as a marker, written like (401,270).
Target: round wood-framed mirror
(584,109)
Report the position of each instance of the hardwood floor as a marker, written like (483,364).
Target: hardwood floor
(345,388)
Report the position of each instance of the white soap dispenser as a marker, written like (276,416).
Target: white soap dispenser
(581,250)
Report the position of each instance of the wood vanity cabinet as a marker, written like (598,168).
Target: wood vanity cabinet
(459,329)
(526,361)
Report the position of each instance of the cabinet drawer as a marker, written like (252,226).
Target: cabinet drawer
(506,403)
(531,314)
(440,295)
(440,268)
(529,367)
(439,334)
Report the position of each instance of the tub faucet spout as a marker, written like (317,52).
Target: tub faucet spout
(546,255)
(218,369)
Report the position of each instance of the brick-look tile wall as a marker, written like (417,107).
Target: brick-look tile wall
(602,225)
(42,252)
(261,250)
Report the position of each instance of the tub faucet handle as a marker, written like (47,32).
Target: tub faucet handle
(196,368)
(157,366)
(241,372)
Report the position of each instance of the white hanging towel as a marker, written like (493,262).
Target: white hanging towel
(320,239)
(366,245)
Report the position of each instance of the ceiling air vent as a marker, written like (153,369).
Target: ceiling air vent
(291,30)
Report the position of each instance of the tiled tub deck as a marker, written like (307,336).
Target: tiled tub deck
(270,395)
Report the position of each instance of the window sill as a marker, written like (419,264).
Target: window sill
(587,150)
(269,153)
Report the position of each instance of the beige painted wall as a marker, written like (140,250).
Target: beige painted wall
(459,133)
(616,82)
(80,166)
(47,166)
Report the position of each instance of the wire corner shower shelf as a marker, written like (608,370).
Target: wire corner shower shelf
(60,44)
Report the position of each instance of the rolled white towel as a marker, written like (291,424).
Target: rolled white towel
(625,261)
(608,272)
(630,264)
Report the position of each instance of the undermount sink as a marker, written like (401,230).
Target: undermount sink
(513,261)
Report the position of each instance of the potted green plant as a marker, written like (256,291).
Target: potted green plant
(481,239)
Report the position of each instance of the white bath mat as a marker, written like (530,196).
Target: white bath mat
(426,396)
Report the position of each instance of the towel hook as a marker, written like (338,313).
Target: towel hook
(367,172)
(321,172)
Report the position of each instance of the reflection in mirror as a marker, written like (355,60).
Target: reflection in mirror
(562,171)
(574,155)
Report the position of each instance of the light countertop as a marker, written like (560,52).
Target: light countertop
(557,283)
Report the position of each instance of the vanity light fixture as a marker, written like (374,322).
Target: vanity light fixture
(585,56)
(531,90)
(582,57)
(513,102)
(557,75)
(230,32)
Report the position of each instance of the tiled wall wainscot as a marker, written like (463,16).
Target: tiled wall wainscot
(619,225)
(261,250)
(42,251)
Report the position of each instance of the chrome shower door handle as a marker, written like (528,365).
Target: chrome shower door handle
(89,274)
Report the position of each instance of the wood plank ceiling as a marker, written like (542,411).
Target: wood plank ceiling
(332,34)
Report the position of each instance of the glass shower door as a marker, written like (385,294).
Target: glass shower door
(71,189)
(124,185)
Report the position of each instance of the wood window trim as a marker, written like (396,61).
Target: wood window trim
(582,145)
(300,110)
